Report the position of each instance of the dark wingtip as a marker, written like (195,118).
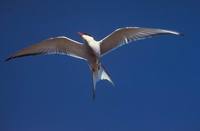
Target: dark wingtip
(181,34)
(8,59)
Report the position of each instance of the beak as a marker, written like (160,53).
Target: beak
(80,33)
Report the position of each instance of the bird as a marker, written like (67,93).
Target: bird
(91,50)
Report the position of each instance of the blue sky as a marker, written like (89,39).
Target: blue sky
(157,80)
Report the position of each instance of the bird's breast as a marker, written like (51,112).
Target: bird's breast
(95,46)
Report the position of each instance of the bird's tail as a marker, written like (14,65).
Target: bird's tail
(100,74)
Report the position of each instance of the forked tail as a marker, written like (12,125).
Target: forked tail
(100,74)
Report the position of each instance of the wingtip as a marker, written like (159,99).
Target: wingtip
(172,32)
(181,34)
(176,33)
(7,59)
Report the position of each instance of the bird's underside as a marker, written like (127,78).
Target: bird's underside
(91,50)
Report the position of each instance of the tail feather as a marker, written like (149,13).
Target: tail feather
(104,75)
(101,74)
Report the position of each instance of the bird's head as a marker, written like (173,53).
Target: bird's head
(86,36)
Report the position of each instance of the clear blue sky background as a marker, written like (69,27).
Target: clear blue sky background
(157,80)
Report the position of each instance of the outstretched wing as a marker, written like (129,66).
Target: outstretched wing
(58,45)
(126,35)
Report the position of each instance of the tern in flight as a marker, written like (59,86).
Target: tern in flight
(92,50)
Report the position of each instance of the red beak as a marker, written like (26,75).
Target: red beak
(80,33)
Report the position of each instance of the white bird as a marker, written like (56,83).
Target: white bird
(92,50)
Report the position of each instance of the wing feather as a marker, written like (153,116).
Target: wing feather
(57,45)
(126,35)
